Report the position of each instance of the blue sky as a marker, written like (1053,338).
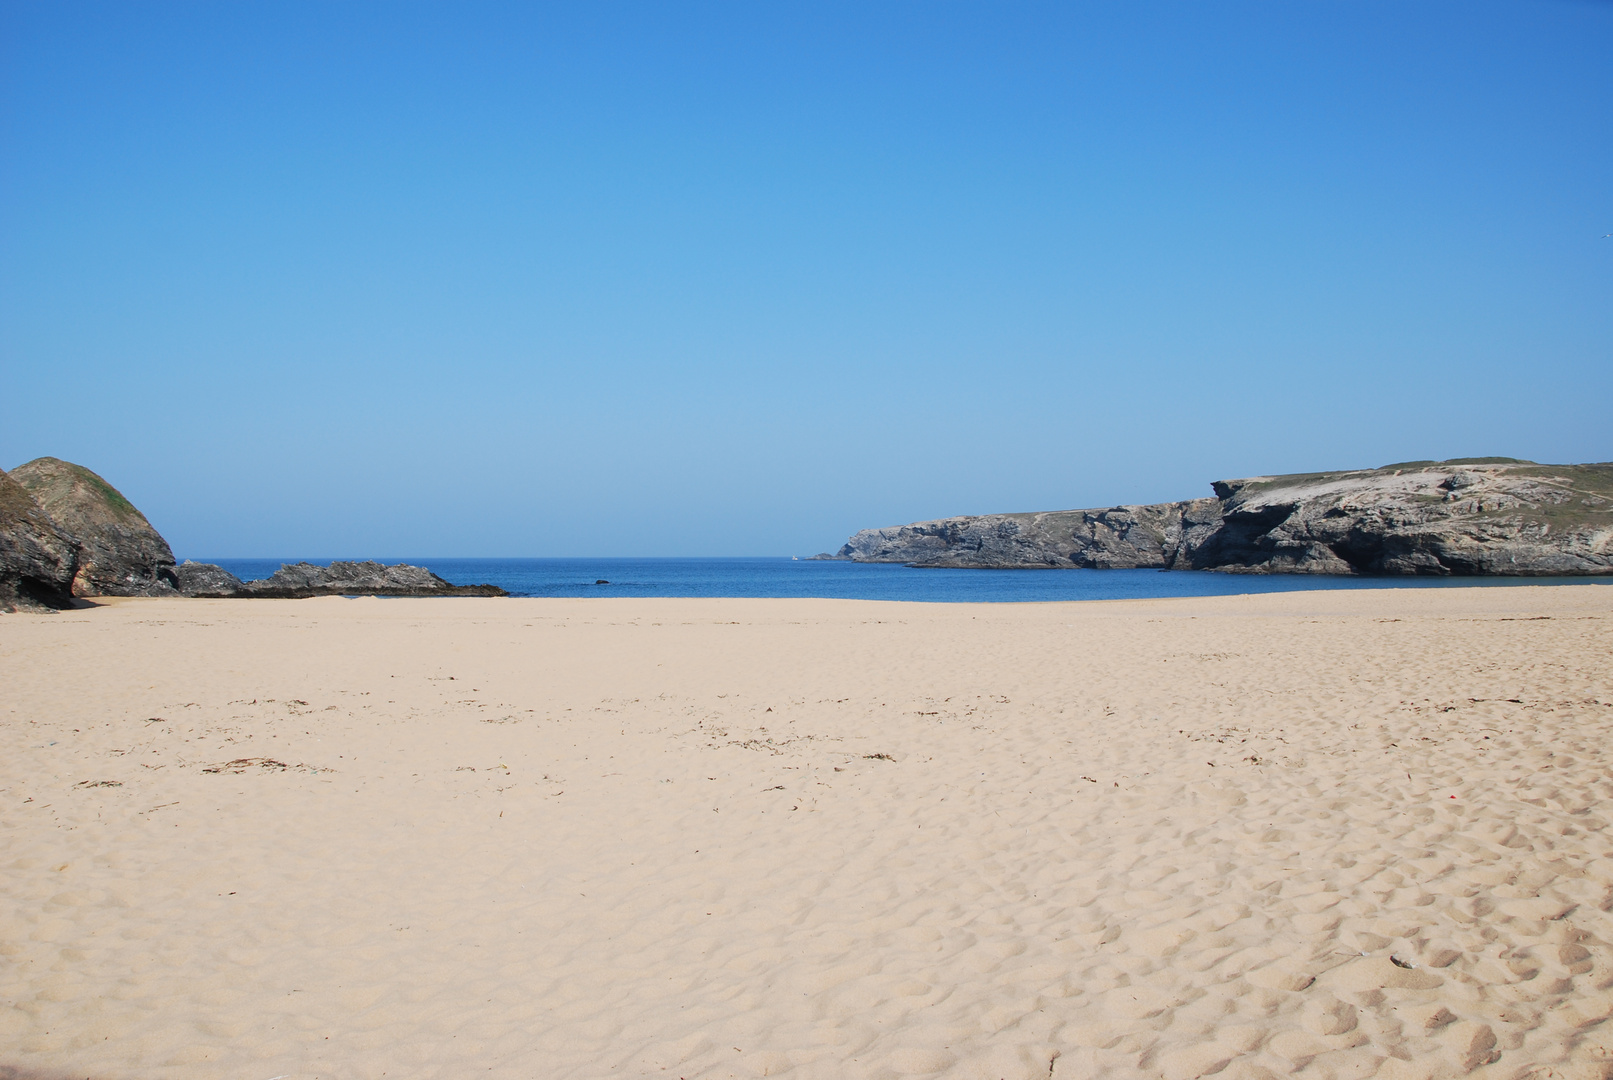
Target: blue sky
(652,279)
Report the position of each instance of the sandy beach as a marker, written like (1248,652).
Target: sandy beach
(1333,834)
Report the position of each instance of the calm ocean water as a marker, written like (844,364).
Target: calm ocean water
(783,577)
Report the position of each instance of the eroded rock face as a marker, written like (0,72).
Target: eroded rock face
(1476,516)
(299,580)
(206,579)
(1121,537)
(37,561)
(118,552)
(1490,518)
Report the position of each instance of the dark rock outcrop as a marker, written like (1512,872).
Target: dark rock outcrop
(65,532)
(118,552)
(300,580)
(37,561)
(206,579)
(1122,537)
(296,581)
(1470,516)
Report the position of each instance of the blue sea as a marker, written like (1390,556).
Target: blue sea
(785,577)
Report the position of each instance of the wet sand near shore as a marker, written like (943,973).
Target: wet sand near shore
(1326,834)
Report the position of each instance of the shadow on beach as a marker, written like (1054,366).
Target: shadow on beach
(12,1072)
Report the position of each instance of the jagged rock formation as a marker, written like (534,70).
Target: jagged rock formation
(1468,516)
(119,553)
(300,580)
(206,579)
(1122,537)
(37,561)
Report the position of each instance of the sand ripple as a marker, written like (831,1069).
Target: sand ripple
(1335,835)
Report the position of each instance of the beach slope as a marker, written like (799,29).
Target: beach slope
(1339,834)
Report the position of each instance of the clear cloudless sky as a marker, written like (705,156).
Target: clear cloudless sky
(385,279)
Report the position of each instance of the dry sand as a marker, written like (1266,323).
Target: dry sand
(1337,834)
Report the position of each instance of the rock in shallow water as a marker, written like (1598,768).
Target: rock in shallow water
(298,580)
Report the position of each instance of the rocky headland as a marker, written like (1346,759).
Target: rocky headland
(1476,516)
(67,534)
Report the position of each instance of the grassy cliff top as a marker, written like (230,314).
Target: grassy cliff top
(58,485)
(1561,496)
(1455,461)
(15,502)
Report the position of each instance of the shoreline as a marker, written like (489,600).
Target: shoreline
(785,578)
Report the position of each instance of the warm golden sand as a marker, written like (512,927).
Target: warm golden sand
(1342,834)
